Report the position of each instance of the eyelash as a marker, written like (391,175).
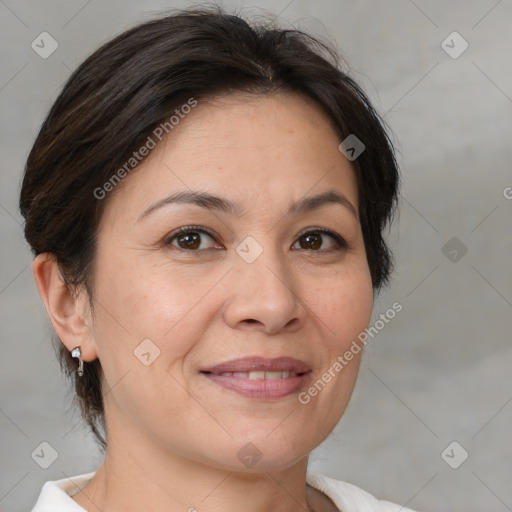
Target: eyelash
(342,244)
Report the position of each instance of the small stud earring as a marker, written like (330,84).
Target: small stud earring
(77,353)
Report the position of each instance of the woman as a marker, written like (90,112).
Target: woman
(206,201)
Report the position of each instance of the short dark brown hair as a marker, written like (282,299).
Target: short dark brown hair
(132,84)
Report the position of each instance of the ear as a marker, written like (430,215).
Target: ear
(69,314)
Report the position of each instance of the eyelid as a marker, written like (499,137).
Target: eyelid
(342,243)
(186,229)
(317,230)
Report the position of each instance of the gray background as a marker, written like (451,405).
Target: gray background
(438,372)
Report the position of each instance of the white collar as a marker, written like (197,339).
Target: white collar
(56,495)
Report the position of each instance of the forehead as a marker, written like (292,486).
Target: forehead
(255,149)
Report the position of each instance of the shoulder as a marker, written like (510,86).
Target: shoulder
(350,498)
(56,494)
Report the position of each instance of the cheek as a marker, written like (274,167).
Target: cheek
(343,305)
(131,294)
(137,307)
(163,305)
(343,308)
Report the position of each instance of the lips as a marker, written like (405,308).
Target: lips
(259,364)
(259,377)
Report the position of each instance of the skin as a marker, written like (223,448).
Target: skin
(173,436)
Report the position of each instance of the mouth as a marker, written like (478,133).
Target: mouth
(260,378)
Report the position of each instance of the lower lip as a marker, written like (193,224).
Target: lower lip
(261,388)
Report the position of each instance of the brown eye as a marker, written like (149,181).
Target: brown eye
(189,239)
(313,240)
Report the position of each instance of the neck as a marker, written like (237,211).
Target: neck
(135,477)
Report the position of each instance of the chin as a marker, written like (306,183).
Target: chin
(254,457)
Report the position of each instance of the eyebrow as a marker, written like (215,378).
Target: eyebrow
(213,202)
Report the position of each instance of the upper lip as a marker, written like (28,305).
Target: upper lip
(257,363)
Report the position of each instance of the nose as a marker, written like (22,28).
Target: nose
(263,296)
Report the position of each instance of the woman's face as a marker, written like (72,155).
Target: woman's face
(253,285)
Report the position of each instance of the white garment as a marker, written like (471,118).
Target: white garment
(56,495)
